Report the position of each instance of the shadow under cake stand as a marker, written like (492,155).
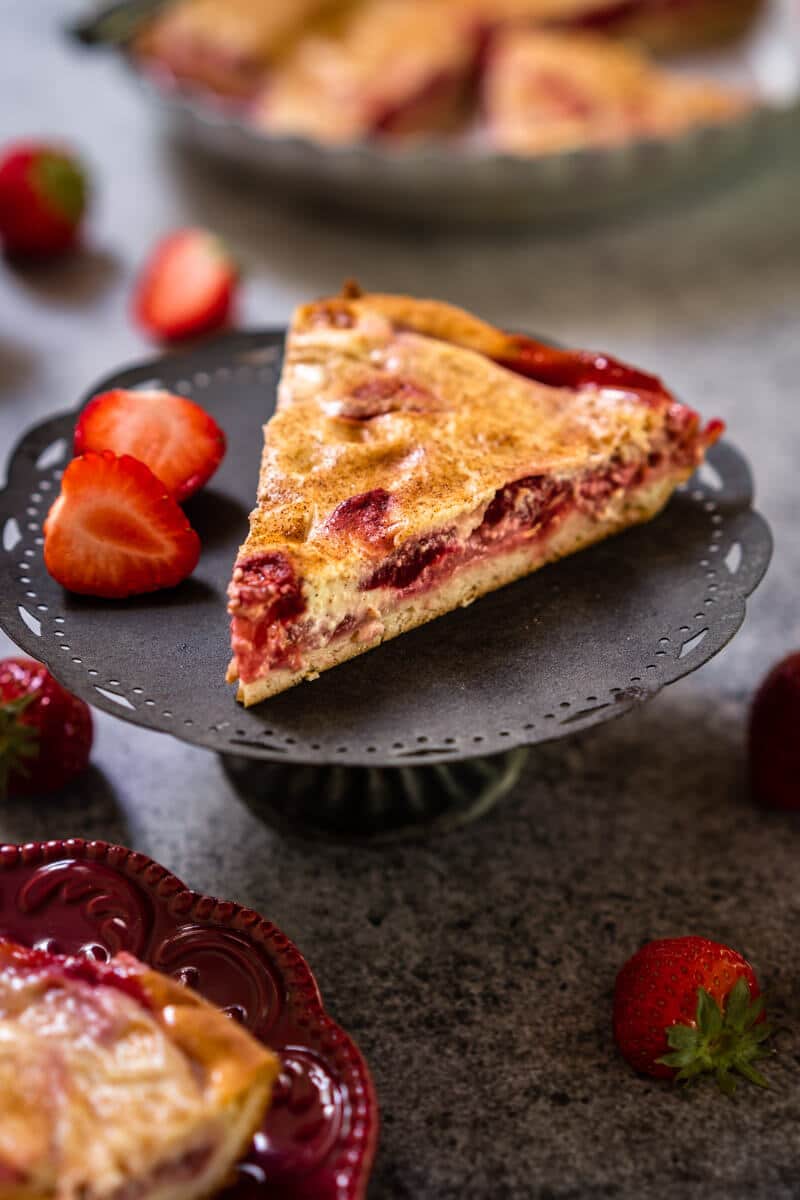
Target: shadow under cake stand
(429,730)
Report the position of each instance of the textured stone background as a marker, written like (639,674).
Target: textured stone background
(476,970)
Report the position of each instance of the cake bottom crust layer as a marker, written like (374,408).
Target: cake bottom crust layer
(476,579)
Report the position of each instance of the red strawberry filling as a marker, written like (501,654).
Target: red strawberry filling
(53,969)
(405,568)
(535,504)
(382,394)
(267,601)
(363,515)
(576,369)
(530,505)
(526,500)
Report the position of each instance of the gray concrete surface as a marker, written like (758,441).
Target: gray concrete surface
(476,970)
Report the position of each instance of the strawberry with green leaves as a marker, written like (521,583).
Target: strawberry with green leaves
(45,731)
(43,196)
(687,1006)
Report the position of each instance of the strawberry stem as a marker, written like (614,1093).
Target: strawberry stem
(724,1042)
(19,741)
(62,183)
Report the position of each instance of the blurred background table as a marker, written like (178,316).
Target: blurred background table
(475,970)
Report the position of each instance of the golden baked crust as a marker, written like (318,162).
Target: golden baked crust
(225,44)
(551,92)
(413,445)
(394,66)
(116,1080)
(459,426)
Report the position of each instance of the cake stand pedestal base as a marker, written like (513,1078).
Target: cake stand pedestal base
(373,804)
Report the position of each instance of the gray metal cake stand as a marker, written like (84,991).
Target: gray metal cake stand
(429,730)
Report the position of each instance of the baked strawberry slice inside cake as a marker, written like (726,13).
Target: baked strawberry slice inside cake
(419,458)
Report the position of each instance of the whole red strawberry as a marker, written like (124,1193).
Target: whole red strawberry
(775,737)
(45,731)
(687,1006)
(43,195)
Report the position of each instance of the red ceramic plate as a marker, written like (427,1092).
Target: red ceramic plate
(76,897)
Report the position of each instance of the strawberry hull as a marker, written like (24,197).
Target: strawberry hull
(679,992)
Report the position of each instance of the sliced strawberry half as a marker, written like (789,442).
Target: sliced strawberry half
(174,437)
(187,286)
(115,531)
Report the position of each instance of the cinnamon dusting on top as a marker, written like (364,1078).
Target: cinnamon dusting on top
(391,395)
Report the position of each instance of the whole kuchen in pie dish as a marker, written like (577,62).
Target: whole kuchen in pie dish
(495,110)
(161,1045)
(394,69)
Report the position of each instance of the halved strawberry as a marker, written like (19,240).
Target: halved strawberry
(115,531)
(174,437)
(187,285)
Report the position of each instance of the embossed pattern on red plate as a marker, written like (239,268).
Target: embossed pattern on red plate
(71,897)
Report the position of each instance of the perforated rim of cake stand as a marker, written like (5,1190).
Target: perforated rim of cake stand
(581,642)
